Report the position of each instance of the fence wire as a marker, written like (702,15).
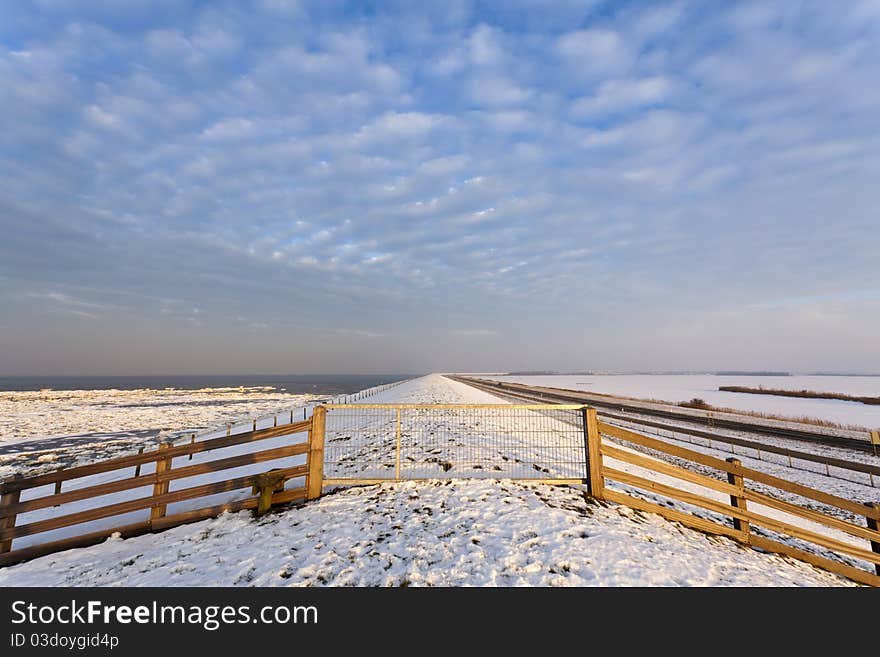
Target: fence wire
(388,442)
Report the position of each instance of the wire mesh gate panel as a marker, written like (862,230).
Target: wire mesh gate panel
(366,443)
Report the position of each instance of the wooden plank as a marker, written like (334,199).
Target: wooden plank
(558,407)
(743,515)
(746,516)
(137,469)
(674,493)
(369,482)
(196,515)
(751,444)
(212,511)
(126,531)
(748,473)
(670,514)
(34,551)
(137,529)
(291,495)
(160,488)
(7,501)
(140,503)
(662,446)
(150,479)
(738,499)
(873,526)
(23,483)
(811,493)
(397,463)
(850,572)
(812,515)
(268,483)
(667,468)
(594,442)
(810,536)
(314,480)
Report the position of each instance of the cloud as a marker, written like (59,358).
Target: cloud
(228,129)
(560,168)
(67,304)
(594,50)
(485,47)
(496,90)
(393,126)
(627,94)
(474,333)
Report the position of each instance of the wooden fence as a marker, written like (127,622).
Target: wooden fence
(47,490)
(749,526)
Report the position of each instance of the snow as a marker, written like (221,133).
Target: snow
(48,429)
(29,414)
(435,532)
(684,387)
(843,482)
(474,533)
(235,425)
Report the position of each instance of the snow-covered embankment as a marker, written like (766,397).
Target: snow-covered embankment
(478,532)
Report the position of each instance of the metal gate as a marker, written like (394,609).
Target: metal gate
(373,443)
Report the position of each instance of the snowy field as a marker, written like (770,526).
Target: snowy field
(60,428)
(684,387)
(42,413)
(438,532)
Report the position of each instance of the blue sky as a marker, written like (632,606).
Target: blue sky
(276,186)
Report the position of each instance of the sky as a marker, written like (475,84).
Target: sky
(276,186)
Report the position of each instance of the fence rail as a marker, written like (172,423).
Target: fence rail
(48,508)
(760,526)
(680,434)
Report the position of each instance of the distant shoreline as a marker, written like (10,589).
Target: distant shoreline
(718,373)
(330,384)
(805,394)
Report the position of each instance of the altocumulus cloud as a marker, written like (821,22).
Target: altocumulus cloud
(609,185)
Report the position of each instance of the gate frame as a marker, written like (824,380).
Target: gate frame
(593,481)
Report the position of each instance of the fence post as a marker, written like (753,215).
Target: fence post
(267,484)
(738,501)
(315,478)
(596,484)
(160,487)
(397,465)
(7,500)
(137,468)
(872,524)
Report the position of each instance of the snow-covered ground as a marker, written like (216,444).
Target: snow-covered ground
(684,387)
(437,532)
(473,533)
(41,413)
(840,481)
(49,429)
